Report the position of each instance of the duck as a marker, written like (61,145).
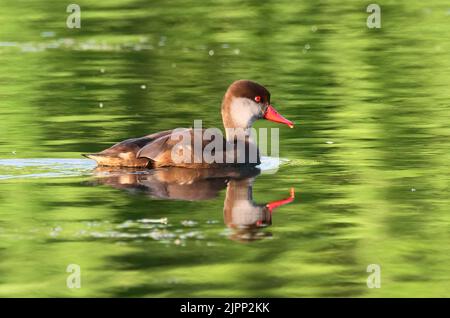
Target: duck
(244,102)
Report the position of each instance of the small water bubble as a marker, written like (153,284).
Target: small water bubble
(47,34)
(55,231)
(174,65)
(67,41)
(91,223)
(8,44)
(143,86)
(102,70)
(225,46)
(413,190)
(13,152)
(162,41)
(192,234)
(307,46)
(100,105)
(237,51)
(161,220)
(314,28)
(53,45)
(125,224)
(211,52)
(330,142)
(29,48)
(188,223)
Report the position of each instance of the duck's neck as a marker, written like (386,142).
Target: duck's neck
(244,146)
(238,119)
(234,135)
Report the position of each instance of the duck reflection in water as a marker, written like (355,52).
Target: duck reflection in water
(242,215)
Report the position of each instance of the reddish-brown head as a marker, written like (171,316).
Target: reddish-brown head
(246,101)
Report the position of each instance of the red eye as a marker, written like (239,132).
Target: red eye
(257,99)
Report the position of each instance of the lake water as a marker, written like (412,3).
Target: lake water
(368,158)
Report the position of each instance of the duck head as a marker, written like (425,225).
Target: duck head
(245,102)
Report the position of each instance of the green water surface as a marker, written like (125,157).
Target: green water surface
(368,158)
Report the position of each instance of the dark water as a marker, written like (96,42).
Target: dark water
(368,158)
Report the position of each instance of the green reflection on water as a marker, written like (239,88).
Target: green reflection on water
(368,158)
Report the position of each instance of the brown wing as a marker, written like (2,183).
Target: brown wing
(160,148)
(178,149)
(124,153)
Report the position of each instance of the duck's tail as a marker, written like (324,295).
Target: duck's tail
(103,159)
(89,155)
(94,156)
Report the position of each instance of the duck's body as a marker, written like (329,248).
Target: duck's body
(243,103)
(156,150)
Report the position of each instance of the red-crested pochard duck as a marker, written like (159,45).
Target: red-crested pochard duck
(244,103)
